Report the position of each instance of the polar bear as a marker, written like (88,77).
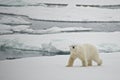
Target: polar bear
(86,53)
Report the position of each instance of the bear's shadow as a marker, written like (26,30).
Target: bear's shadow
(76,66)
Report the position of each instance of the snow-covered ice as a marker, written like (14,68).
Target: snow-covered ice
(90,2)
(53,68)
(59,30)
(6,29)
(68,29)
(26,29)
(106,42)
(13,2)
(13,20)
(65,14)
(5,32)
(69,13)
(20,28)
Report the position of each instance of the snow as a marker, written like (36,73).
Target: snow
(12,2)
(20,28)
(65,14)
(6,29)
(68,29)
(90,2)
(59,30)
(13,20)
(68,13)
(26,29)
(5,32)
(53,68)
(106,42)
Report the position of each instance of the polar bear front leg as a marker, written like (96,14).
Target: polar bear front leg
(84,60)
(71,61)
(84,63)
(89,62)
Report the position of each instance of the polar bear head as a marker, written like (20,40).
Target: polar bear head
(73,48)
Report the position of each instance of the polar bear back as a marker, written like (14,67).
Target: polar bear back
(90,51)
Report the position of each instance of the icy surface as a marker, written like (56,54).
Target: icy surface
(6,29)
(68,29)
(91,2)
(5,32)
(65,14)
(26,29)
(12,2)
(68,13)
(53,68)
(13,20)
(106,42)
(20,28)
(59,30)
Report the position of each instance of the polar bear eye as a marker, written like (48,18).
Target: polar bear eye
(73,47)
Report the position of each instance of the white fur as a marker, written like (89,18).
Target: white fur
(86,53)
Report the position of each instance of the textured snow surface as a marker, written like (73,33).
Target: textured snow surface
(53,68)
(65,14)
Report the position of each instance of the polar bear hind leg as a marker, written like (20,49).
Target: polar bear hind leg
(98,61)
